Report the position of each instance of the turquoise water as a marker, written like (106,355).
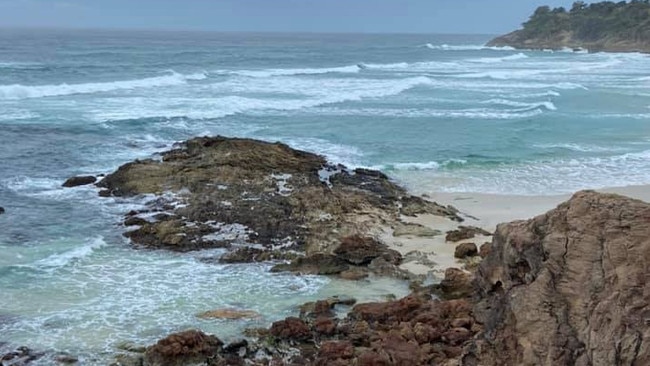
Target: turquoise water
(438,113)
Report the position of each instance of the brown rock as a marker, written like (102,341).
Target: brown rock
(569,287)
(325,326)
(465,232)
(318,264)
(465,250)
(291,329)
(79,181)
(354,274)
(457,284)
(228,314)
(183,348)
(484,250)
(359,250)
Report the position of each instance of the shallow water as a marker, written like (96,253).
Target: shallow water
(438,113)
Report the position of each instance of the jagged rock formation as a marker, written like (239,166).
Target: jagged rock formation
(603,26)
(263,200)
(571,287)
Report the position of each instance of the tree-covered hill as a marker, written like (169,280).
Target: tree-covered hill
(603,26)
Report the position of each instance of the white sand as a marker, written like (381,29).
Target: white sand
(492,209)
(431,256)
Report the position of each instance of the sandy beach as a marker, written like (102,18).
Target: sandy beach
(430,256)
(489,210)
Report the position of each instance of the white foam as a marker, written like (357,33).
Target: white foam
(522,105)
(446,47)
(579,147)
(17,91)
(265,73)
(492,60)
(471,113)
(65,258)
(312,94)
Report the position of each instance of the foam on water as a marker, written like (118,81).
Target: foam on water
(492,60)
(65,258)
(447,47)
(265,73)
(17,91)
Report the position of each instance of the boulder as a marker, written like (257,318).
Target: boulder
(464,233)
(465,250)
(457,284)
(184,348)
(81,180)
(2,210)
(569,287)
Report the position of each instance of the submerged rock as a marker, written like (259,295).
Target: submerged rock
(79,181)
(2,210)
(218,191)
(231,314)
(569,287)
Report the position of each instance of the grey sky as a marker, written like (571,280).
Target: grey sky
(422,16)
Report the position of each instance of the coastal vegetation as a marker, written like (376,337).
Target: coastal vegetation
(602,26)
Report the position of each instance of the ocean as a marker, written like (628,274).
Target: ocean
(438,113)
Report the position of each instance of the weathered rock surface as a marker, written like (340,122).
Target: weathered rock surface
(571,287)
(484,250)
(79,181)
(215,192)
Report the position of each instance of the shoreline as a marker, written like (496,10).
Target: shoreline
(487,210)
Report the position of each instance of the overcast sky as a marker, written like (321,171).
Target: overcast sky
(419,16)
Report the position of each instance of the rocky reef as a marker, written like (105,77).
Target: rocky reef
(569,287)
(266,201)
(603,26)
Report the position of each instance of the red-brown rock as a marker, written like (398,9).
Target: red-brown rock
(291,329)
(183,348)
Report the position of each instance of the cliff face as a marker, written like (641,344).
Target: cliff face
(605,26)
(571,287)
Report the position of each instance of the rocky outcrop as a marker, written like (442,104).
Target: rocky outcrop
(266,201)
(79,181)
(570,287)
(184,348)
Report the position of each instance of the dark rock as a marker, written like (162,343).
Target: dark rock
(2,210)
(465,250)
(183,348)
(317,264)
(252,255)
(271,195)
(79,181)
(104,193)
(135,221)
(360,250)
(66,359)
(20,357)
(465,232)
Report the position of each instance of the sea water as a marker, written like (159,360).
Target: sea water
(437,113)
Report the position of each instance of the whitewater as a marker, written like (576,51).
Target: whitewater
(436,113)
